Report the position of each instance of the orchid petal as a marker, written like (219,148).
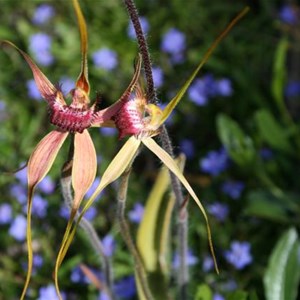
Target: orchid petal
(82,81)
(115,169)
(84,166)
(46,88)
(171,164)
(39,165)
(170,107)
(107,113)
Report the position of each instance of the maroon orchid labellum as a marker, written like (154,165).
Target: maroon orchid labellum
(75,119)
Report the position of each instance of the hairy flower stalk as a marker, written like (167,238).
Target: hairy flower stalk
(142,121)
(72,119)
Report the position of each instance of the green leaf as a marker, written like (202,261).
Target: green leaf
(271,132)
(283,272)
(238,295)
(279,72)
(203,292)
(239,146)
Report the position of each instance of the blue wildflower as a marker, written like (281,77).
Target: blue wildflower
(38,261)
(218,296)
(39,206)
(215,162)
(207,263)
(108,131)
(93,188)
(22,176)
(5,213)
(292,88)
(224,87)
(64,212)
(43,14)
(105,58)
(40,45)
(232,188)
(19,192)
(187,147)
(239,254)
(47,185)
(48,292)
(2,106)
(109,245)
(137,213)
(158,76)
(145,26)
(77,276)
(173,42)
(67,84)
(91,213)
(288,14)
(190,258)
(18,228)
(266,153)
(218,210)
(32,90)
(197,93)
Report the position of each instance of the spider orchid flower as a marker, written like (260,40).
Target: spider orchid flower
(142,121)
(72,119)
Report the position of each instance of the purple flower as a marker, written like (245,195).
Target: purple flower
(5,213)
(207,263)
(218,210)
(266,153)
(223,87)
(93,188)
(215,162)
(137,213)
(32,90)
(67,84)
(190,258)
(145,26)
(43,14)
(158,76)
(22,176)
(197,94)
(108,131)
(18,228)
(39,206)
(77,276)
(288,14)
(2,106)
(233,189)
(40,45)
(64,212)
(38,261)
(19,192)
(105,58)
(173,42)
(48,292)
(187,147)
(239,254)
(47,185)
(292,88)
(91,213)
(218,296)
(109,245)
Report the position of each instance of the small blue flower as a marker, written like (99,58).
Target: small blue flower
(145,27)
(137,213)
(197,93)
(2,106)
(48,293)
(33,91)
(64,212)
(5,213)
(292,88)
(22,176)
(173,42)
(39,206)
(190,258)
(19,192)
(158,76)
(43,14)
(218,210)
(239,254)
(232,188)
(77,276)
(93,188)
(215,162)
(67,84)
(266,153)
(187,147)
(38,261)
(288,15)
(47,185)
(109,245)
(108,131)
(218,296)
(18,228)
(91,213)
(40,45)
(224,87)
(207,263)
(105,58)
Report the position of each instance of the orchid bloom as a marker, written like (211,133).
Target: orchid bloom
(142,121)
(74,119)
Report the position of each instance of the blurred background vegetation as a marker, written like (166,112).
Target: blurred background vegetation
(238,125)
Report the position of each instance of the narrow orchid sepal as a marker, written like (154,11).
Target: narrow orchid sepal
(170,163)
(39,164)
(106,114)
(48,91)
(170,107)
(82,81)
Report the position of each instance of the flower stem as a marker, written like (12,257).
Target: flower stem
(66,186)
(125,232)
(182,274)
